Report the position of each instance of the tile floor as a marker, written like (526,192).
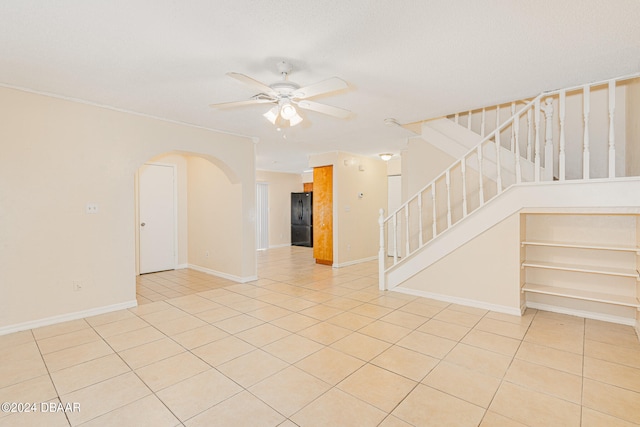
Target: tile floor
(309,345)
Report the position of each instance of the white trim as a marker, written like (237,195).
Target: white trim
(582,313)
(279,246)
(32,324)
(514,311)
(182,266)
(357,261)
(223,275)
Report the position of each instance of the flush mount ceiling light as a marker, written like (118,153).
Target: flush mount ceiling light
(385,156)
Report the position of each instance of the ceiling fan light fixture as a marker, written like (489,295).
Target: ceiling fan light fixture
(288,111)
(385,156)
(272,114)
(295,120)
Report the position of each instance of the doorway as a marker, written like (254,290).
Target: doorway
(157,217)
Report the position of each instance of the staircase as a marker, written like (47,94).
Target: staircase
(557,152)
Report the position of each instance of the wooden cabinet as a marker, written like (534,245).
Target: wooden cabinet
(323,214)
(582,264)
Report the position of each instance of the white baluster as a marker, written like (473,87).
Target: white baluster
(381,252)
(395,238)
(480,176)
(498,150)
(536,147)
(562,162)
(420,240)
(433,202)
(463,165)
(548,141)
(448,183)
(612,141)
(407,235)
(516,153)
(457,118)
(529,133)
(586,104)
(482,123)
(513,129)
(469,120)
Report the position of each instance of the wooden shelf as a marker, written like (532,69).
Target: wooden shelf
(610,271)
(582,295)
(604,247)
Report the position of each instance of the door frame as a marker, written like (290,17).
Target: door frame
(260,214)
(174,168)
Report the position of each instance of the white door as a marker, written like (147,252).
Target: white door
(157,218)
(262,217)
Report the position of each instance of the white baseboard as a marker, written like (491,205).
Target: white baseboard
(514,311)
(32,324)
(223,275)
(582,313)
(357,261)
(182,266)
(284,245)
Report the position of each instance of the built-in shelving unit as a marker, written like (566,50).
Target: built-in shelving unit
(585,264)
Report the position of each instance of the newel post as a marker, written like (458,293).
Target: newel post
(381,252)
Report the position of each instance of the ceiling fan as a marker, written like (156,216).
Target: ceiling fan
(288,95)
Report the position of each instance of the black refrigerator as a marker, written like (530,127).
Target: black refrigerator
(302,219)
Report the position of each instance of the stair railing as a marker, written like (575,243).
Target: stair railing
(526,142)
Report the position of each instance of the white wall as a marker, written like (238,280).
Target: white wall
(632,164)
(59,155)
(281,185)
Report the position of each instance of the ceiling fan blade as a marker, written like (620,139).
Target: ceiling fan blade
(242,103)
(263,88)
(325,109)
(325,86)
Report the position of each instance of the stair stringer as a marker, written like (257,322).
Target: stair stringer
(620,196)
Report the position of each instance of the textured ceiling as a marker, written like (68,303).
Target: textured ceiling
(410,59)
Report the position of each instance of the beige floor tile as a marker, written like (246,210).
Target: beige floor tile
(88,373)
(198,393)
(148,411)
(525,319)
(385,331)
(467,309)
(36,419)
(250,305)
(60,329)
(294,322)
(405,362)
(404,319)
(463,383)
(269,313)
(199,336)
(361,346)
(492,342)
(113,316)
(480,360)
(169,371)
(545,380)
(444,329)
(342,303)
(337,408)
(389,301)
(550,357)
(217,314)
(612,353)
(499,327)
(612,373)
(252,367)
(180,325)
(426,406)
(149,353)
(134,338)
(591,418)
(39,389)
(236,324)
(71,339)
(458,317)
(351,321)
(17,338)
(324,333)
(193,304)
(160,316)
(371,310)
(424,307)
(292,348)
(557,331)
(243,409)
(289,390)
(330,365)
(392,421)
(20,363)
(221,351)
(120,326)
(611,333)
(75,355)
(105,396)
(378,387)
(491,419)
(263,334)
(321,312)
(428,344)
(533,408)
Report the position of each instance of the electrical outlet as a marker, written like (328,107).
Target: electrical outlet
(91,208)
(206,254)
(77,285)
